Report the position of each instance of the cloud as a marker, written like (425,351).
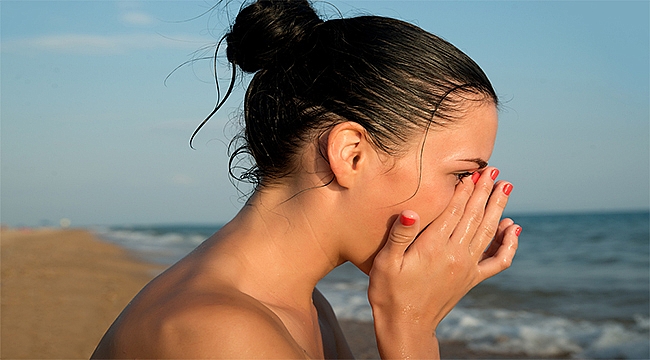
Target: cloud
(137,18)
(90,44)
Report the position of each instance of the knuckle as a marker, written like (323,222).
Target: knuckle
(488,230)
(486,188)
(475,215)
(501,202)
(455,209)
(515,246)
(505,263)
(400,237)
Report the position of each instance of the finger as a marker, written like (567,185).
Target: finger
(503,256)
(498,240)
(490,222)
(405,229)
(447,221)
(475,208)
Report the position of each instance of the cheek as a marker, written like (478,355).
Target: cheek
(429,202)
(437,200)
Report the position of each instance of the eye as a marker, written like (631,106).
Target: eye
(463,175)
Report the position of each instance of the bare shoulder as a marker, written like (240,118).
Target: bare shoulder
(230,326)
(227,324)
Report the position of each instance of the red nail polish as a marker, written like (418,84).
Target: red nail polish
(507,189)
(475,177)
(406,221)
(518,231)
(494,174)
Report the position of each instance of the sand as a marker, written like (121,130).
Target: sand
(61,290)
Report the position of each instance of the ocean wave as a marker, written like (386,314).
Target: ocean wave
(555,302)
(502,331)
(164,247)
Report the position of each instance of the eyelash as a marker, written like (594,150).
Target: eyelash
(461,176)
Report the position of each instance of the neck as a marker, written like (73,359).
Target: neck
(284,247)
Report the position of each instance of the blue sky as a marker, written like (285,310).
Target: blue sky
(91,132)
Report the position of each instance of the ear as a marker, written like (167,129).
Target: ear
(348,151)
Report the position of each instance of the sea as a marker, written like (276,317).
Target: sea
(579,286)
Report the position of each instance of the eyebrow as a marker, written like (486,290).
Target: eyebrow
(480,162)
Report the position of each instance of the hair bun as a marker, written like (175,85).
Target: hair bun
(268,32)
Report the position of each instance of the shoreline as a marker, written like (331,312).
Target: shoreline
(61,290)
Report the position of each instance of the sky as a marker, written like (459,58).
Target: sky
(95,122)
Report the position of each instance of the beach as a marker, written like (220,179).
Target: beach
(61,290)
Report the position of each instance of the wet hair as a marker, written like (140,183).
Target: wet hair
(391,77)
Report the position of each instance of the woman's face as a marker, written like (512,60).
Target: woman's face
(424,179)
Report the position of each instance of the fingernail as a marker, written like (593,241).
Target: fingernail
(406,221)
(494,174)
(475,177)
(518,231)
(507,189)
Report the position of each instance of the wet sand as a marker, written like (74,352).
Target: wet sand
(61,290)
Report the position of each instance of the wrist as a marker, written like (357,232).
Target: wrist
(406,340)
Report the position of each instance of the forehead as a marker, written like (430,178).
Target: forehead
(470,136)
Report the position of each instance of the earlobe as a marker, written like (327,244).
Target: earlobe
(347,148)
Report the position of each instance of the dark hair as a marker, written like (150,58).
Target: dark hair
(389,76)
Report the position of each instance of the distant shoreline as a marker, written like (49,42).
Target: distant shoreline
(604,212)
(516,213)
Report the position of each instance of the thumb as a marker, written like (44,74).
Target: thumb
(402,234)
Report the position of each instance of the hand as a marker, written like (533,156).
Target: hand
(417,279)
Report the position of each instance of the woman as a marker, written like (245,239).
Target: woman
(370,139)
